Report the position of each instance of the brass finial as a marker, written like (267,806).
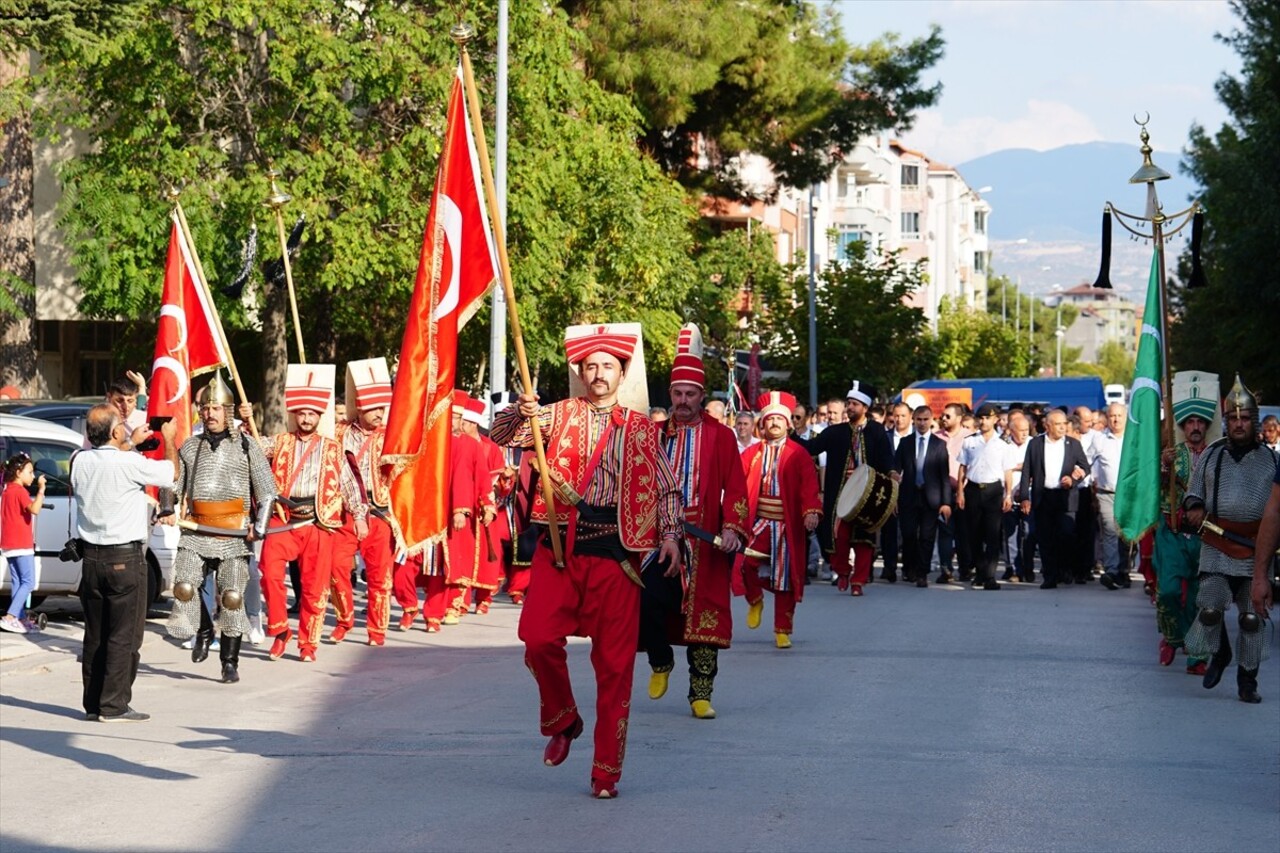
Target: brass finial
(1149,172)
(171,192)
(278,198)
(462,33)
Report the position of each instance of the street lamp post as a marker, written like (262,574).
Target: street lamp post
(813,309)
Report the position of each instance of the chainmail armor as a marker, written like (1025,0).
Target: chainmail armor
(1241,496)
(1204,640)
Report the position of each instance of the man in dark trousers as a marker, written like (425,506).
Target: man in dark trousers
(924,493)
(1055,463)
(858,441)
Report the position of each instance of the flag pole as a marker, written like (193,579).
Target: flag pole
(461,34)
(203,284)
(278,199)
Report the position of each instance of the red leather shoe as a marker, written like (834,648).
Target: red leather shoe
(558,747)
(482,608)
(339,634)
(377,639)
(433,626)
(280,644)
(308,656)
(1167,653)
(1196,668)
(602,790)
(406,620)
(856,590)
(842,583)
(517,598)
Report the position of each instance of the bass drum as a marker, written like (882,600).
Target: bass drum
(867,498)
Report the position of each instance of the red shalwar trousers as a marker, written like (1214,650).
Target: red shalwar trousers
(784,602)
(863,555)
(313,548)
(375,550)
(404,585)
(590,597)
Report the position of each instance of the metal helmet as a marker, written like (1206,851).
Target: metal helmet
(184,590)
(1239,398)
(216,393)
(231,599)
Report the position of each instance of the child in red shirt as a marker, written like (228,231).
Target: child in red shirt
(17,537)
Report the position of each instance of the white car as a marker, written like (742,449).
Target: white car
(50,447)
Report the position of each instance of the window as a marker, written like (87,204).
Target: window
(979,222)
(980,262)
(911,176)
(845,241)
(911,225)
(51,459)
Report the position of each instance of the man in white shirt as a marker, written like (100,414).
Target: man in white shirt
(953,536)
(1020,546)
(1104,457)
(112,520)
(981,496)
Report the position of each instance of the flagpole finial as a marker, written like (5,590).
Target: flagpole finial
(1150,172)
(278,198)
(462,33)
(172,192)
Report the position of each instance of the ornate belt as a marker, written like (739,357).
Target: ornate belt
(226,515)
(770,509)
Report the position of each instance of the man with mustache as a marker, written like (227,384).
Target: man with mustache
(365,528)
(693,609)
(1229,489)
(1174,547)
(615,500)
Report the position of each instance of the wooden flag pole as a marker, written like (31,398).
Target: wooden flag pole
(275,201)
(203,284)
(461,34)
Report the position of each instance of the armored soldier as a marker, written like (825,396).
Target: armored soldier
(222,477)
(1228,491)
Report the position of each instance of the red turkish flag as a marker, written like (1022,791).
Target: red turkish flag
(186,341)
(456,270)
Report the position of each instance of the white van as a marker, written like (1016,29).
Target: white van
(1115,393)
(50,447)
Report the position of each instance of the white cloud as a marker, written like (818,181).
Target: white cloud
(1043,125)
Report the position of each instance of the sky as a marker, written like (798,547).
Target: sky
(1044,73)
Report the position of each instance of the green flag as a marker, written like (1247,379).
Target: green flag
(1138,489)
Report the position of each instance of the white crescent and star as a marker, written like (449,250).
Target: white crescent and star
(179,372)
(181,319)
(451,222)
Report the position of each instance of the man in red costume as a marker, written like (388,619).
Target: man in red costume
(693,610)
(471,501)
(784,507)
(514,494)
(487,576)
(314,484)
(366,529)
(615,499)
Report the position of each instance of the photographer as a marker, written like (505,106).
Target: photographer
(108,483)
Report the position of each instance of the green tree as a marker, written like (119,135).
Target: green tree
(866,329)
(972,343)
(348,100)
(718,78)
(1230,325)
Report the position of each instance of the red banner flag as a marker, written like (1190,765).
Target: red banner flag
(186,341)
(456,269)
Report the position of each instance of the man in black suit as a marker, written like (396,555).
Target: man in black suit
(1055,463)
(924,492)
(857,441)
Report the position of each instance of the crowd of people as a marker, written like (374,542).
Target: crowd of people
(644,526)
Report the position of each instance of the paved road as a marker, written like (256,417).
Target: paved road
(939,719)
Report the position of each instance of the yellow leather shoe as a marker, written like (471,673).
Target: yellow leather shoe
(783,640)
(754,612)
(658,684)
(702,709)
(450,618)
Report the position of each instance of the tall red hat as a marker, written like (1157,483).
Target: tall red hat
(459,404)
(368,384)
(687,366)
(775,403)
(620,345)
(475,411)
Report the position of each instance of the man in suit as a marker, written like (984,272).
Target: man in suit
(1054,465)
(899,429)
(924,492)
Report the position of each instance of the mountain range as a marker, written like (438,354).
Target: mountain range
(1045,224)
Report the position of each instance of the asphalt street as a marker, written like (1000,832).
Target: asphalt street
(910,719)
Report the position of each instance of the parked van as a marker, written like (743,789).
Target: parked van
(50,447)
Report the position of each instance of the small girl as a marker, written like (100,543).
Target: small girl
(17,539)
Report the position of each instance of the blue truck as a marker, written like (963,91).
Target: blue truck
(1070,391)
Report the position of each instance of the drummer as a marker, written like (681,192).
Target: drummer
(857,441)
(783,507)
